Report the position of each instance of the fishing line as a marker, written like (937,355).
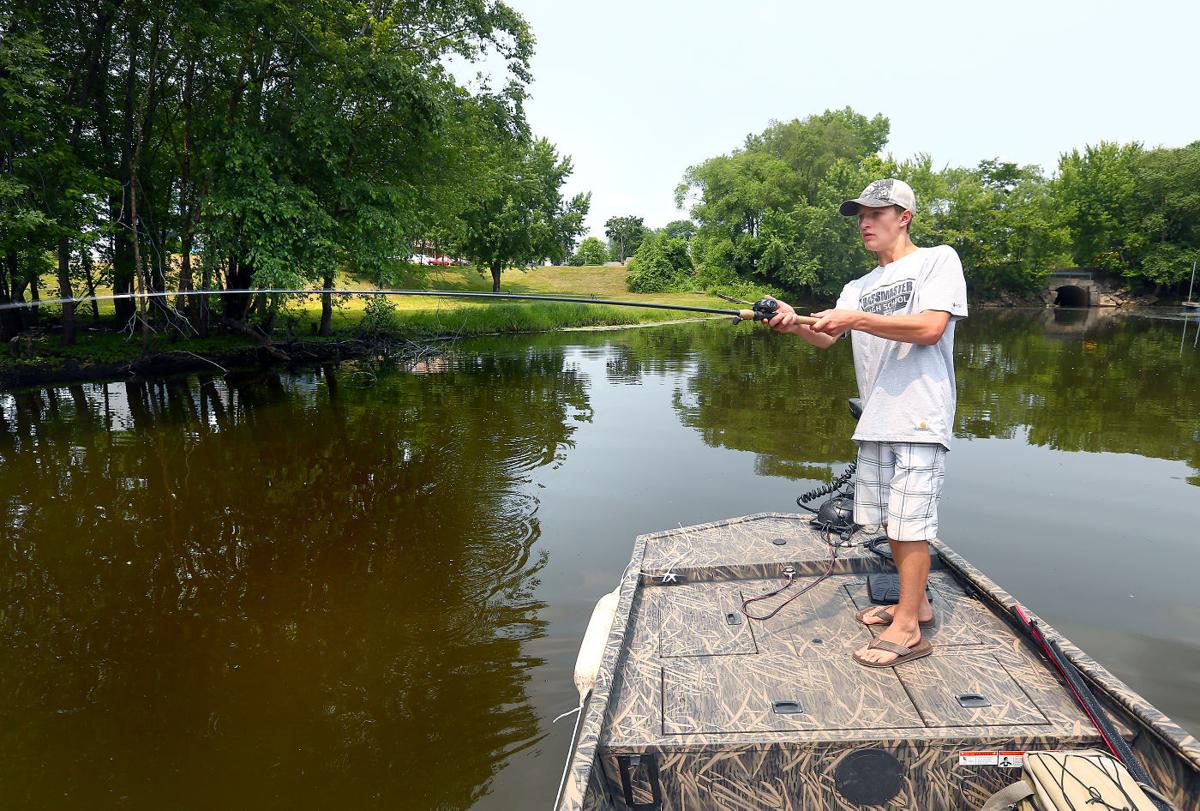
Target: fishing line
(762,310)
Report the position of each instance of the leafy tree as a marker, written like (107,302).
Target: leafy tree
(1097,190)
(281,142)
(1168,188)
(751,205)
(660,264)
(520,217)
(1001,220)
(625,235)
(1132,211)
(811,146)
(592,251)
(679,229)
(26,97)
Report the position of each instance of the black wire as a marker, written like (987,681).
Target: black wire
(790,571)
(873,544)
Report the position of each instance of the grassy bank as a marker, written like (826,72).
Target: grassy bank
(100,348)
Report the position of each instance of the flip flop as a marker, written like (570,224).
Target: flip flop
(880,612)
(903,654)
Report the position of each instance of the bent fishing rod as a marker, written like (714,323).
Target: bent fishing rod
(762,310)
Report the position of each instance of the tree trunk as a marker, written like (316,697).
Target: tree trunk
(185,194)
(326,328)
(123,266)
(85,260)
(237,277)
(201,309)
(270,302)
(10,320)
(64,290)
(137,259)
(496,268)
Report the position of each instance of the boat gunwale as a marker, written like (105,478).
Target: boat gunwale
(584,755)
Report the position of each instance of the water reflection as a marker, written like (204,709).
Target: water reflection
(274,589)
(323,588)
(1082,380)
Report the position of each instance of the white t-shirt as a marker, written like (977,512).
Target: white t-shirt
(907,389)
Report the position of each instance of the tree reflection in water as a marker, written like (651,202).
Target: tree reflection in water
(312,590)
(274,589)
(1096,381)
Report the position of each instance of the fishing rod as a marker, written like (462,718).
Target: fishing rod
(1090,705)
(762,310)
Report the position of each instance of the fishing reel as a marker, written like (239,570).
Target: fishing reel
(762,310)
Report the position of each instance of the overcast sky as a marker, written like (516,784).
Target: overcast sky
(636,92)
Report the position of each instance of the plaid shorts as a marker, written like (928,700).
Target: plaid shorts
(899,484)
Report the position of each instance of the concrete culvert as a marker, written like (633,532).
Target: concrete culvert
(1071,296)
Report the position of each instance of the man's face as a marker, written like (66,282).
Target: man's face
(880,228)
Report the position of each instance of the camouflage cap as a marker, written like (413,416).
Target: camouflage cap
(880,193)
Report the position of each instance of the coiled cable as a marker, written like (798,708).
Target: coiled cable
(834,486)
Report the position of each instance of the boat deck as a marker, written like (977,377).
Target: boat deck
(698,706)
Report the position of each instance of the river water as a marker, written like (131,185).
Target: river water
(360,586)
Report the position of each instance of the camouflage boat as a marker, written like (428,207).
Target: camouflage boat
(696,706)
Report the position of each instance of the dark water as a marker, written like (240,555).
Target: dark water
(360,587)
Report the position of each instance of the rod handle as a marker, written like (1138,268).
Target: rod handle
(751,315)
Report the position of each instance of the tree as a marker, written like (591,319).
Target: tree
(1097,190)
(750,205)
(1001,220)
(811,146)
(660,264)
(281,142)
(592,251)
(626,235)
(1168,188)
(520,217)
(26,99)
(679,229)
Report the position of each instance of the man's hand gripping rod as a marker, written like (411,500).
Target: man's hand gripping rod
(764,310)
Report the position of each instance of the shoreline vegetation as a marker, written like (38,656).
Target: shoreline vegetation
(363,326)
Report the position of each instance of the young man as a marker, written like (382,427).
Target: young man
(901,316)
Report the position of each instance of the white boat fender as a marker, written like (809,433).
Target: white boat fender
(591,650)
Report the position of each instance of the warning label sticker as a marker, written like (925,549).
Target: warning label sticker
(1010,760)
(978,758)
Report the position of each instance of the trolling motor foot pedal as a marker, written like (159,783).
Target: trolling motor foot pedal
(884,589)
